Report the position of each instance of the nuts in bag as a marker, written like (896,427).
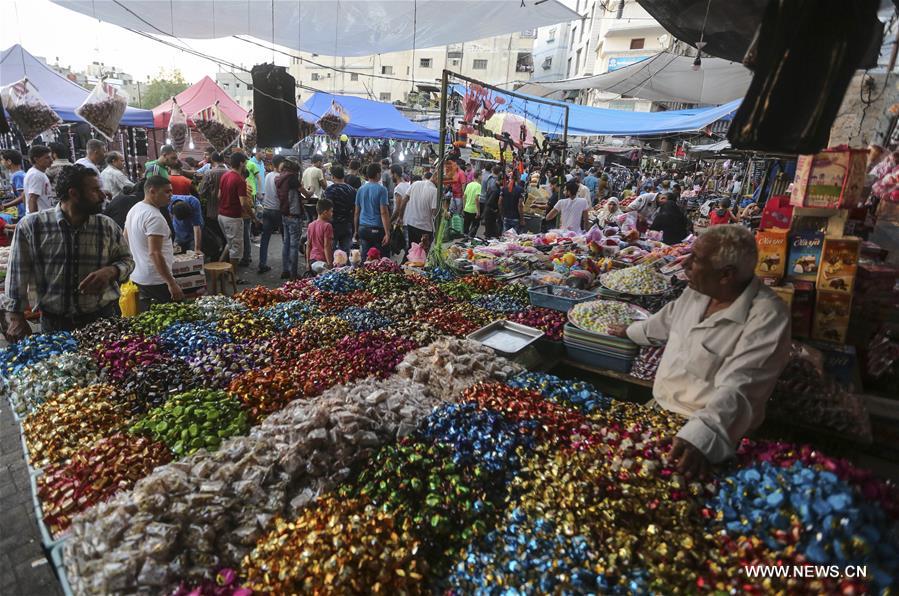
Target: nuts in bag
(334,120)
(178,130)
(103,109)
(27,109)
(219,129)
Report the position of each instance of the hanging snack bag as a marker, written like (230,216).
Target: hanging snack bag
(27,110)
(219,130)
(334,120)
(305,128)
(178,130)
(248,134)
(103,109)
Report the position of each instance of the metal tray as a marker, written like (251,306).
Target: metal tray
(505,337)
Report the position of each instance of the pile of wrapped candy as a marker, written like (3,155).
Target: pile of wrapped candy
(368,449)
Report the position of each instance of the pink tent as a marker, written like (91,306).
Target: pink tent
(198,96)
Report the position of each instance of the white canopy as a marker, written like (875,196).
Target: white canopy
(662,77)
(331,27)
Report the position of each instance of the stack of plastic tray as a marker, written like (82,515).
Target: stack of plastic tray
(558,297)
(599,350)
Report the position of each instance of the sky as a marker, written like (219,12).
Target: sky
(50,31)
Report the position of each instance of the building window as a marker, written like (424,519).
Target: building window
(386,70)
(524,62)
(547,63)
(354,76)
(573,35)
(237,86)
(384,97)
(315,76)
(249,87)
(583,26)
(529,34)
(568,73)
(425,62)
(577,62)
(637,43)
(479,65)
(225,85)
(551,35)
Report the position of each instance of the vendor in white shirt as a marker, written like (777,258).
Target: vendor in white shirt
(728,339)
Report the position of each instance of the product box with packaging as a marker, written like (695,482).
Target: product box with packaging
(839,262)
(833,178)
(832,310)
(804,255)
(803,308)
(772,249)
(785,292)
(187,262)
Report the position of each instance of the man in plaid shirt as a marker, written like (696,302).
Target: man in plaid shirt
(71,256)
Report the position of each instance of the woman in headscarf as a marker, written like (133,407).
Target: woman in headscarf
(608,213)
(671,221)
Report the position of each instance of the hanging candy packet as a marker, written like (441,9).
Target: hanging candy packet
(103,109)
(305,128)
(218,128)
(248,134)
(334,120)
(178,130)
(27,110)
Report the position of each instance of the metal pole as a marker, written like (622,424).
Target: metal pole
(564,157)
(441,153)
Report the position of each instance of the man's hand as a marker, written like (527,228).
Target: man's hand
(18,326)
(176,292)
(688,460)
(618,330)
(386,240)
(98,280)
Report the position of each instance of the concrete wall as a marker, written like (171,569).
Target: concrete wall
(859,125)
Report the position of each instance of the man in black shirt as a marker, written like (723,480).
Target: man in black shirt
(343,196)
(353,178)
(121,204)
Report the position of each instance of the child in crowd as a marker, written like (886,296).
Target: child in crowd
(722,215)
(320,238)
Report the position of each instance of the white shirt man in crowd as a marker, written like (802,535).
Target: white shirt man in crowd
(727,339)
(113,178)
(419,209)
(96,155)
(150,240)
(38,191)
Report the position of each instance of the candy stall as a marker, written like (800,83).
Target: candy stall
(343,434)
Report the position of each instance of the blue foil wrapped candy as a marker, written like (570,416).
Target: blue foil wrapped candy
(575,393)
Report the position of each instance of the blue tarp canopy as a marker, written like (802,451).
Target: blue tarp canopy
(589,121)
(368,118)
(63,95)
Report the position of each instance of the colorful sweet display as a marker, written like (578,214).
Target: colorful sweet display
(280,444)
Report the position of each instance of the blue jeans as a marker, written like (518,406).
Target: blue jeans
(271,221)
(371,237)
(511,222)
(290,251)
(246,240)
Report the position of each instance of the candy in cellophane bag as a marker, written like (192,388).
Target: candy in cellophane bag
(218,128)
(334,120)
(248,134)
(27,110)
(178,130)
(103,109)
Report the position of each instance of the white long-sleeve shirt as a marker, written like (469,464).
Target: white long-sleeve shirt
(718,372)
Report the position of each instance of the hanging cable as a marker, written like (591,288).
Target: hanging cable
(414,34)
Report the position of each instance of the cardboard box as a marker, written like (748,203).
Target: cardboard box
(191,281)
(803,308)
(188,262)
(785,292)
(833,178)
(804,255)
(772,248)
(832,310)
(839,263)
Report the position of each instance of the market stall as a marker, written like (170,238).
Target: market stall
(212,442)
(65,97)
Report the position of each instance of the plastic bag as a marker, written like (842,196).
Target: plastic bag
(103,109)
(27,110)
(248,134)
(218,128)
(417,254)
(334,120)
(128,299)
(178,130)
(456,225)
